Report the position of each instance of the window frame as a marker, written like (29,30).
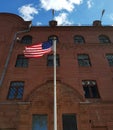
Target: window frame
(83,60)
(90,89)
(103,39)
(110,60)
(78,39)
(16,90)
(26,40)
(39,121)
(22,61)
(69,121)
(52,37)
(50,60)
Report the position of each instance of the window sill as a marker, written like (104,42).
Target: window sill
(93,100)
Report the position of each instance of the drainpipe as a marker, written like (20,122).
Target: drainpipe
(10,52)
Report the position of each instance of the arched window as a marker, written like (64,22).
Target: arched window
(104,39)
(53,37)
(79,39)
(26,39)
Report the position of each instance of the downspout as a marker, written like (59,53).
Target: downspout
(10,52)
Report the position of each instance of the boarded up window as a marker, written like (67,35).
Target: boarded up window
(69,122)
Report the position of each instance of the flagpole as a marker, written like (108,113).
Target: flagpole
(53,12)
(103,11)
(55,95)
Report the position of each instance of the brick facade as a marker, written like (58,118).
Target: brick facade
(91,114)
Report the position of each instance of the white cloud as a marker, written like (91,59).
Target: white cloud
(28,12)
(62,19)
(60,4)
(38,23)
(89,3)
(111,16)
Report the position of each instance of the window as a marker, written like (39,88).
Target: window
(16,90)
(39,122)
(104,39)
(110,59)
(83,60)
(79,39)
(50,60)
(21,61)
(26,39)
(90,89)
(69,122)
(53,37)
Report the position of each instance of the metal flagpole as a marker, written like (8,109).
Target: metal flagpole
(53,12)
(103,11)
(55,95)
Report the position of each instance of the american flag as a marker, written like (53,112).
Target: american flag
(38,50)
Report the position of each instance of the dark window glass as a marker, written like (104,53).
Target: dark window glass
(39,122)
(104,39)
(79,39)
(21,61)
(83,60)
(110,59)
(50,60)
(53,37)
(16,90)
(69,122)
(90,89)
(26,39)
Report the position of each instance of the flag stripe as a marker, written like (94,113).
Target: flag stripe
(38,50)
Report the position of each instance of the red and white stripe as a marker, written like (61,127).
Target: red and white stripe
(36,51)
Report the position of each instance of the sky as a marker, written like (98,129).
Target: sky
(66,12)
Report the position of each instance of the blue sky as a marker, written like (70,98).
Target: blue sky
(67,12)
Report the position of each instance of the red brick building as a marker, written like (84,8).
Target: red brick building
(84,76)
